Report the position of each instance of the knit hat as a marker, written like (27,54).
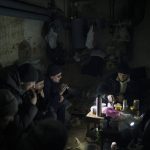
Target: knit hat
(28,73)
(8,103)
(123,68)
(53,70)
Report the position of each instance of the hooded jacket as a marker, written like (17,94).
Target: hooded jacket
(10,79)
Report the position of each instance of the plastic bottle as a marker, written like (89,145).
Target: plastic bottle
(125,105)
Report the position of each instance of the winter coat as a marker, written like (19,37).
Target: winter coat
(10,79)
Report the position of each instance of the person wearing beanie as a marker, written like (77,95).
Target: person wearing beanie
(54,94)
(119,86)
(19,80)
(46,134)
(53,70)
(27,73)
(28,76)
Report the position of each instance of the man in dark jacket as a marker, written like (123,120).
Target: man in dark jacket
(53,94)
(120,86)
(18,80)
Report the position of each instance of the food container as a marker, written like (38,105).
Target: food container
(118,107)
(93,109)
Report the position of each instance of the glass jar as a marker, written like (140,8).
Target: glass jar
(125,105)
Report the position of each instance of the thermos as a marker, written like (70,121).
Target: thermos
(98,106)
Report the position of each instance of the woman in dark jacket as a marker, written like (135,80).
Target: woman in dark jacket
(54,94)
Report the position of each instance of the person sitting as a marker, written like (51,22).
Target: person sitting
(18,80)
(53,92)
(120,86)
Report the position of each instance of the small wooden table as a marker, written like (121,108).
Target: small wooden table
(93,119)
(97,122)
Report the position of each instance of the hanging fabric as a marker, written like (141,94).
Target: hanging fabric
(90,38)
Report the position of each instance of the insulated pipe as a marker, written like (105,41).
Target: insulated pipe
(18,13)
(23,6)
(21,9)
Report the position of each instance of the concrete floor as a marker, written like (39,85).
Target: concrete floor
(77,137)
(78,132)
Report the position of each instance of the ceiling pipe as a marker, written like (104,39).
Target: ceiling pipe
(22,14)
(26,10)
(23,6)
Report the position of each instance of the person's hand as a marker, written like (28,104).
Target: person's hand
(63,88)
(34,99)
(42,93)
(61,99)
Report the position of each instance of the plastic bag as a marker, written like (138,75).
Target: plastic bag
(51,38)
(90,38)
